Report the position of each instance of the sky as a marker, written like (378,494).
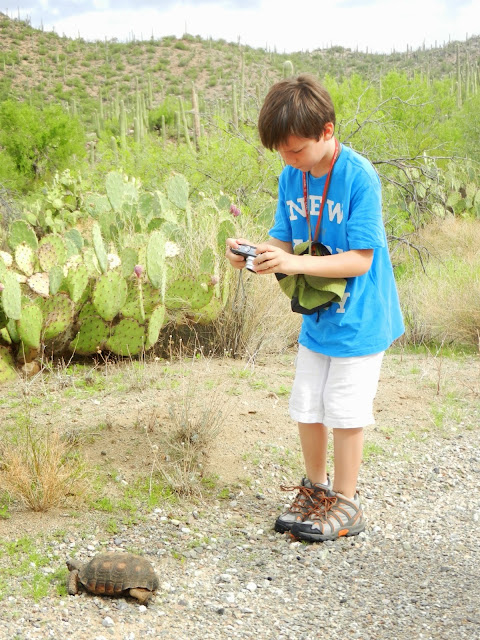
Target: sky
(380,26)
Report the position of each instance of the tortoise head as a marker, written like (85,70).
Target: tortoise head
(73,564)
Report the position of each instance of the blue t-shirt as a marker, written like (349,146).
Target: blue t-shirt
(369,318)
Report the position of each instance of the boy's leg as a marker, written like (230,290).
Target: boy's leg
(348,449)
(314,440)
(310,492)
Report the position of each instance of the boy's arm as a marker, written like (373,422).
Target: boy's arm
(275,258)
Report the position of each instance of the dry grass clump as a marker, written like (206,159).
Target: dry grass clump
(40,469)
(257,317)
(195,422)
(443,304)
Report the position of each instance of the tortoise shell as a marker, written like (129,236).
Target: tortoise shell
(113,573)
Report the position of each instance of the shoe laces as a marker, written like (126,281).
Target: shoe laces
(304,494)
(321,505)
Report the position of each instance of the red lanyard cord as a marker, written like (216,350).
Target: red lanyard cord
(324,196)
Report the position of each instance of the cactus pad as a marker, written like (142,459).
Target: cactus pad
(188,293)
(110,294)
(6,259)
(7,366)
(129,258)
(91,336)
(127,338)
(115,187)
(29,326)
(77,281)
(39,283)
(51,252)
(156,260)
(226,229)
(57,314)
(155,324)
(55,278)
(210,312)
(177,191)
(151,298)
(20,231)
(25,258)
(99,247)
(11,296)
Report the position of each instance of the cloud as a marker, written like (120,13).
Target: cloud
(379,25)
(67,8)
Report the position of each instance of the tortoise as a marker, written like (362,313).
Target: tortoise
(114,574)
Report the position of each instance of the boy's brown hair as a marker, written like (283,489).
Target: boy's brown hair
(299,107)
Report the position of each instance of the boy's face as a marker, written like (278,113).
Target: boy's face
(308,154)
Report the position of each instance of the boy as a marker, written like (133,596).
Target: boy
(340,347)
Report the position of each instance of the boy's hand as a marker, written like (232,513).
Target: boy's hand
(273,259)
(237,262)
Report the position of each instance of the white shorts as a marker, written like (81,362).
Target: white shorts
(337,392)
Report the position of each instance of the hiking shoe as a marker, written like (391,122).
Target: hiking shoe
(305,500)
(332,517)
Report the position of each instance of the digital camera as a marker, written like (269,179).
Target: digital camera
(248,252)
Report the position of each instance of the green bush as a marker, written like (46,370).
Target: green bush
(39,141)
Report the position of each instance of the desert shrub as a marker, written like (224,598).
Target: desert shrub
(442,303)
(39,141)
(37,465)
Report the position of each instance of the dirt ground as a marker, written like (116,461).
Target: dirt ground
(120,417)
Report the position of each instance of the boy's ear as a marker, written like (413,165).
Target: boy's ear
(328,130)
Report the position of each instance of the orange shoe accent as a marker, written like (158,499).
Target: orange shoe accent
(342,532)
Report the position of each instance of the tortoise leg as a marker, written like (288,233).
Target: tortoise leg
(72,584)
(144,596)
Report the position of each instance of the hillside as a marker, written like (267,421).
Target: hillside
(43,66)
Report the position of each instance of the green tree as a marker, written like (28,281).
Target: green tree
(39,141)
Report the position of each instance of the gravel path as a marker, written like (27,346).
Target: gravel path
(413,574)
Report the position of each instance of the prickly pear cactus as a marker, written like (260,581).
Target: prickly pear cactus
(7,365)
(51,252)
(29,326)
(25,258)
(55,279)
(188,293)
(209,313)
(132,306)
(177,191)
(99,247)
(57,314)
(91,336)
(156,260)
(155,324)
(127,339)
(39,283)
(19,232)
(76,282)
(226,229)
(129,258)
(11,296)
(109,295)
(115,187)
